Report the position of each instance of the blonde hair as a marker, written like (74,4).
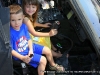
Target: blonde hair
(15,9)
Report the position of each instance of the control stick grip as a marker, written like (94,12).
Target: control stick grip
(31,55)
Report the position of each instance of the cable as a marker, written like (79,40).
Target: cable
(63,60)
(60,36)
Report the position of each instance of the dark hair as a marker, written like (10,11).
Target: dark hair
(31,2)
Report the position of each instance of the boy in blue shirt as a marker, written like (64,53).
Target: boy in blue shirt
(22,46)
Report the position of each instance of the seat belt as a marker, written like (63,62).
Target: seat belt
(6,65)
(5,39)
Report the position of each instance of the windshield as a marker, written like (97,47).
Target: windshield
(92,12)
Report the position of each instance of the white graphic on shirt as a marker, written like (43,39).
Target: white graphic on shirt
(22,44)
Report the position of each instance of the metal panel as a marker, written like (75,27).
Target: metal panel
(88,11)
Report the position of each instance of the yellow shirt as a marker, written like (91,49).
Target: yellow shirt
(45,41)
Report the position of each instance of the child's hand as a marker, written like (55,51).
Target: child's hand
(47,25)
(53,32)
(30,52)
(26,59)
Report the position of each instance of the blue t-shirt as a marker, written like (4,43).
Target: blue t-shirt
(19,40)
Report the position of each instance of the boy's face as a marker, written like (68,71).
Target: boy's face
(16,20)
(30,9)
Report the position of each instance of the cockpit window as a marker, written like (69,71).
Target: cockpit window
(96,4)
